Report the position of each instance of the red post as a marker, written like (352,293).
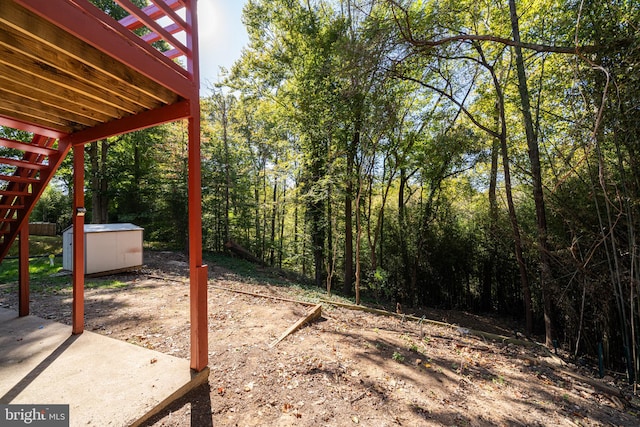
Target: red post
(23,271)
(78,240)
(197,271)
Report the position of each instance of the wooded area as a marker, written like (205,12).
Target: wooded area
(459,154)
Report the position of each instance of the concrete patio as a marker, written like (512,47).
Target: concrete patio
(105,382)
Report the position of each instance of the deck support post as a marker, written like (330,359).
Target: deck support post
(23,271)
(78,241)
(198,273)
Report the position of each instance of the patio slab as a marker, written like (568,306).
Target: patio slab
(105,382)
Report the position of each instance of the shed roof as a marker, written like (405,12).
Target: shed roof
(105,228)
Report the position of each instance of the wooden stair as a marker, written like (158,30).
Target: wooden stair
(27,168)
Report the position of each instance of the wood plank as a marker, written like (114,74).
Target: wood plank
(64,98)
(20,179)
(15,193)
(23,271)
(10,120)
(54,80)
(133,23)
(23,146)
(27,101)
(23,164)
(29,118)
(36,113)
(52,37)
(60,60)
(313,314)
(143,120)
(253,294)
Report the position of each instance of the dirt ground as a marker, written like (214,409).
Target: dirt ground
(348,368)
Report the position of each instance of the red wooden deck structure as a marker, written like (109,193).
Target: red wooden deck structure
(70,75)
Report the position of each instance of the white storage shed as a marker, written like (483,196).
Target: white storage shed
(107,247)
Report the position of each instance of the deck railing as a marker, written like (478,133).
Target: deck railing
(162,22)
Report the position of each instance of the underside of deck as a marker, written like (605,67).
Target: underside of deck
(70,74)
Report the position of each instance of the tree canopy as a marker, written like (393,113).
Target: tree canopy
(455,154)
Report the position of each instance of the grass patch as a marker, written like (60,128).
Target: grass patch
(42,279)
(39,245)
(265,275)
(249,271)
(398,357)
(105,284)
(40,270)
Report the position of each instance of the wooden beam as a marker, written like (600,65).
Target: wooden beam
(28,85)
(78,241)
(20,179)
(143,120)
(40,76)
(23,146)
(253,294)
(23,271)
(22,164)
(198,308)
(133,23)
(154,26)
(197,271)
(9,119)
(35,120)
(311,315)
(35,106)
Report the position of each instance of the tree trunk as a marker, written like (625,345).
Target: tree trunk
(536,175)
(330,263)
(486,301)
(358,240)
(402,226)
(348,215)
(227,167)
(94,161)
(104,181)
(274,204)
(282,215)
(316,210)
(99,183)
(517,240)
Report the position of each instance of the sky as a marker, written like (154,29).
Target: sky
(221,36)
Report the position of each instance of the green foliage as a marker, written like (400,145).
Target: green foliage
(43,277)
(40,246)
(398,357)
(40,274)
(357,137)
(53,206)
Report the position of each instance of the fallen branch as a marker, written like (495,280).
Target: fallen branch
(463,331)
(168,279)
(242,252)
(597,385)
(312,315)
(253,294)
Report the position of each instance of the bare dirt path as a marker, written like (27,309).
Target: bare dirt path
(349,368)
